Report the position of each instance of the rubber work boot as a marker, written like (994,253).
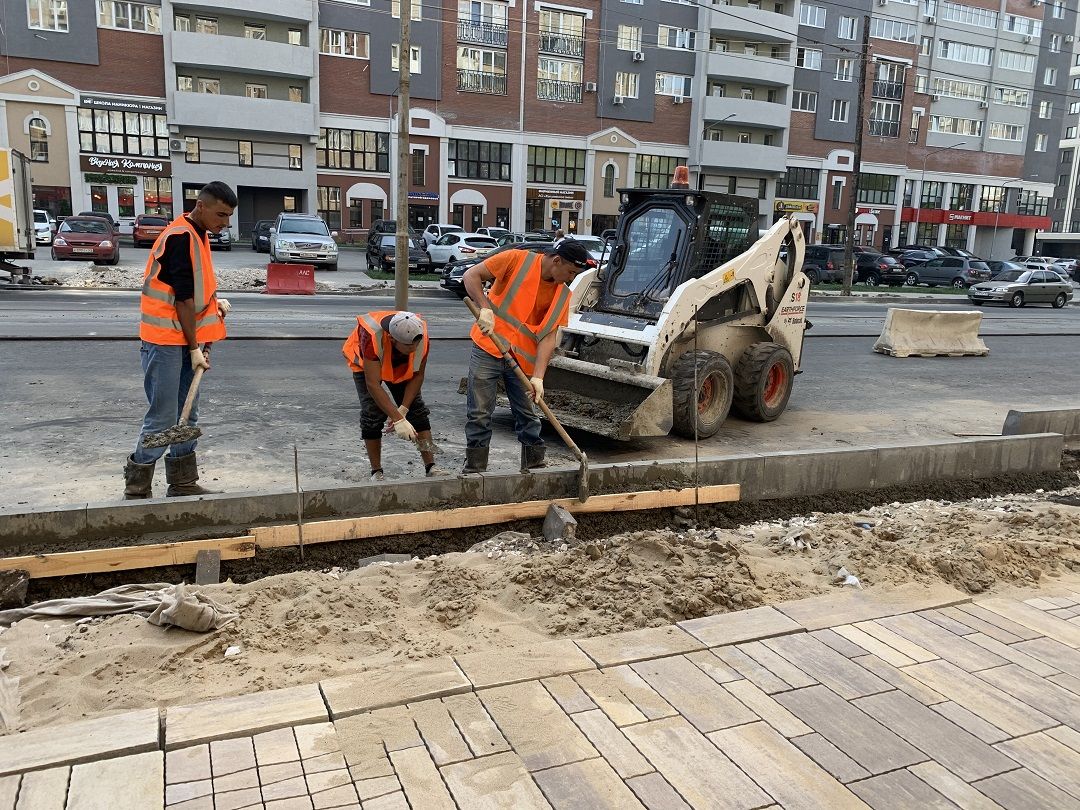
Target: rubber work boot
(534,455)
(476,460)
(182,473)
(138,480)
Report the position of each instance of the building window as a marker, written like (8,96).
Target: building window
(419,161)
(481,71)
(296,94)
(847,28)
(192,152)
(181,22)
(210,86)
(1055,43)
(296,36)
(964,52)
(1050,76)
(157,196)
(926,46)
(804,101)
(244,154)
(558,79)
(255,90)
(1006,132)
(550,164)
(626,84)
(343,43)
(329,206)
(111,132)
(843,70)
(206,25)
(184,84)
(969,15)
(628,38)
(1070,133)
(839,111)
(877,189)
(562,32)
(992,200)
(253,31)
(39,140)
(1012,96)
(885,118)
(415,10)
(680,38)
(894,30)
(672,84)
(609,181)
(931,194)
(129,16)
(1028,26)
(837,194)
(812,16)
(809,58)
(1046,109)
(1031,203)
(296,156)
(48,15)
(799,183)
(1074,107)
(655,171)
(953,125)
(480,160)
(1040,142)
(744,137)
(955,88)
(1057,9)
(414,62)
(963,196)
(353,149)
(1014,60)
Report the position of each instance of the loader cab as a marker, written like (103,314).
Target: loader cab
(666,237)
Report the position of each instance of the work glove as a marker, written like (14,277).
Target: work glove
(390,420)
(198,360)
(223,307)
(538,388)
(486,321)
(405,430)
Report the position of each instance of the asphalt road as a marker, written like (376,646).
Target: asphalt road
(71,407)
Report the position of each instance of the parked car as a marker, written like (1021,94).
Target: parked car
(598,249)
(954,251)
(510,238)
(881,269)
(954,271)
(303,238)
(494,232)
(1034,262)
(930,248)
(1018,288)
(436,230)
(222,240)
(260,236)
(147,228)
(456,246)
(382,254)
(454,272)
(100,215)
(44,227)
(911,258)
(381,226)
(823,264)
(86,238)
(997,267)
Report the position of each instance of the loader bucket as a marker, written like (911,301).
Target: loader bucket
(609,402)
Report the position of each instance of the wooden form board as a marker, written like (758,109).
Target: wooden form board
(362,528)
(103,560)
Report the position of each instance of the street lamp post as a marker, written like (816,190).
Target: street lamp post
(1004,203)
(922,182)
(701,145)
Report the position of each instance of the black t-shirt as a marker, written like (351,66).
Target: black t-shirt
(176,268)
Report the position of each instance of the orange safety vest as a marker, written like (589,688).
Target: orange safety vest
(160,323)
(384,347)
(513,306)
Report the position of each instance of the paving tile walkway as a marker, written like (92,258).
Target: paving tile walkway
(924,700)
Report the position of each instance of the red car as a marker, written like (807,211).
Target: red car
(147,228)
(90,238)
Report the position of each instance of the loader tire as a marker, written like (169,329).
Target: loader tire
(708,405)
(763,378)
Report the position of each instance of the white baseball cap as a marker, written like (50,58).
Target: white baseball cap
(406,327)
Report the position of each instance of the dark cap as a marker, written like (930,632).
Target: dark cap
(574,252)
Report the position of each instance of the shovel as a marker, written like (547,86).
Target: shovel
(180,432)
(508,356)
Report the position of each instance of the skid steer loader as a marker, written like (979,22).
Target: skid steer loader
(691,317)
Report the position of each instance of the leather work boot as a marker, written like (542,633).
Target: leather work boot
(138,480)
(476,460)
(182,473)
(535,455)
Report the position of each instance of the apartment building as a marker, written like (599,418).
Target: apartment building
(964,107)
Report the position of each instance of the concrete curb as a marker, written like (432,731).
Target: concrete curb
(1065,421)
(762,476)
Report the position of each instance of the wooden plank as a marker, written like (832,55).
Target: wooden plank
(127,558)
(361,528)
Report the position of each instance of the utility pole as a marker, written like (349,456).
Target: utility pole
(856,162)
(401,249)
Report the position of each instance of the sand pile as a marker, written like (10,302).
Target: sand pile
(299,627)
(130,277)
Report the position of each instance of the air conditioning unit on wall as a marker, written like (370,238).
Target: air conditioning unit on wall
(590,87)
(177,145)
(639,56)
(617,100)
(679,100)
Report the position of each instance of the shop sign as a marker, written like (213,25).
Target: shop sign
(554,194)
(423,195)
(126,104)
(865,210)
(954,216)
(795,207)
(566,205)
(118,163)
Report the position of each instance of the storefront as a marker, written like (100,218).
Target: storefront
(554,209)
(805,213)
(991,234)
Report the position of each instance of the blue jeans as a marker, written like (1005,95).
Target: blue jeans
(167,377)
(484,374)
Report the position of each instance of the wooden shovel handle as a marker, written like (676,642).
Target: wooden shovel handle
(193,390)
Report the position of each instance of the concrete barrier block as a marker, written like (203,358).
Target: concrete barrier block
(1038,452)
(809,472)
(931,333)
(1065,421)
(19,527)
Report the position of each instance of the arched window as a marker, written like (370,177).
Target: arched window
(609,180)
(39,140)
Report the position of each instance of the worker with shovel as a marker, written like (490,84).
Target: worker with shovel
(392,348)
(528,301)
(181,315)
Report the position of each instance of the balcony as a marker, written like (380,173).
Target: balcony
(562,44)
(762,69)
(755,24)
(238,54)
(554,90)
(889,90)
(753,157)
(285,10)
(475,81)
(743,111)
(240,112)
(482,33)
(884,128)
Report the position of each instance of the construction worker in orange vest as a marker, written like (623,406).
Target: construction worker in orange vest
(391,348)
(528,301)
(180,312)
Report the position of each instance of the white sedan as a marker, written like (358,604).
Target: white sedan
(595,246)
(455,246)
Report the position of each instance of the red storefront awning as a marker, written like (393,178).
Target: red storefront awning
(986,219)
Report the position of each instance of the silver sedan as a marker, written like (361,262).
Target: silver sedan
(1020,287)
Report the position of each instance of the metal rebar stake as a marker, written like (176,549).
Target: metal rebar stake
(697,476)
(299,501)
